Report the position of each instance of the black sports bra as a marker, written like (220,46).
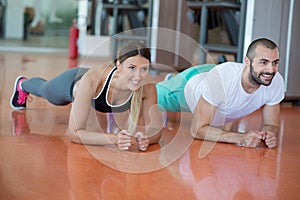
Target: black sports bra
(100,102)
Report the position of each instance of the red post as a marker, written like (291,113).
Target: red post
(73,38)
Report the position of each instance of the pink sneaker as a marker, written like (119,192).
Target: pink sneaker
(19,97)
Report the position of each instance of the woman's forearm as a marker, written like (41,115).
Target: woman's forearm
(154,135)
(93,138)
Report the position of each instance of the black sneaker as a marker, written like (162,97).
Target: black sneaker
(19,97)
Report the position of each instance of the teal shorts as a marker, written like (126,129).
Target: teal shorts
(170,93)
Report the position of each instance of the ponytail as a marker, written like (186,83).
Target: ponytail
(135,108)
(134,48)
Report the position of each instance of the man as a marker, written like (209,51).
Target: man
(219,95)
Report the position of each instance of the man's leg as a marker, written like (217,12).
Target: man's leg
(170,92)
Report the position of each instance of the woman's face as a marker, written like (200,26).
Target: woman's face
(134,71)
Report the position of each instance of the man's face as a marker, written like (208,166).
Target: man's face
(263,66)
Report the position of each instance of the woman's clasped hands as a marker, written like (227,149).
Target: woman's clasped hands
(126,142)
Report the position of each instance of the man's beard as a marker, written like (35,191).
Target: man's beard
(255,79)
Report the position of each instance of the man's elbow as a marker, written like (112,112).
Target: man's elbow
(196,133)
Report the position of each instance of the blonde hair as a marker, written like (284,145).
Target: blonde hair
(134,48)
(135,109)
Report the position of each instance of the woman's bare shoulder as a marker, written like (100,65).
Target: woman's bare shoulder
(149,90)
(98,73)
(149,86)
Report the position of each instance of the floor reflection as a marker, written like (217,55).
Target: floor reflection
(38,161)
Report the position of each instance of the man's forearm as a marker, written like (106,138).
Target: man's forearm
(270,127)
(217,135)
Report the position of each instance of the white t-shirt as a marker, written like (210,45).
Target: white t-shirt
(222,87)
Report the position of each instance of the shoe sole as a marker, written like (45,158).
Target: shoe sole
(169,76)
(12,96)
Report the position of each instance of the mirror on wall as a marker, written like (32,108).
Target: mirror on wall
(31,24)
(112,22)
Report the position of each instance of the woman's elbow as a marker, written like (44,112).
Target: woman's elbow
(158,136)
(155,138)
(74,137)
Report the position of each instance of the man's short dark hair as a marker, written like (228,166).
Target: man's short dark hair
(267,43)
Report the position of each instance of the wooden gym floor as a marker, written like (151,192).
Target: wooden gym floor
(37,160)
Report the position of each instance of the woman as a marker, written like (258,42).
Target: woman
(114,89)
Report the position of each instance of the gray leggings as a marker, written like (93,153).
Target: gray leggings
(59,90)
